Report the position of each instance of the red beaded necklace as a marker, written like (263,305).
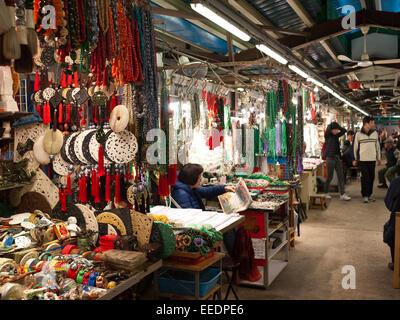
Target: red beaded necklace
(82,20)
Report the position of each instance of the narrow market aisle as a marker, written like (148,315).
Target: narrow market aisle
(347,233)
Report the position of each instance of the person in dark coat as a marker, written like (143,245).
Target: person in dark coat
(348,156)
(188,194)
(333,158)
(187,191)
(392,202)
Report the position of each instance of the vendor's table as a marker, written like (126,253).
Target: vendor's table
(196,269)
(141,273)
(220,221)
(309,186)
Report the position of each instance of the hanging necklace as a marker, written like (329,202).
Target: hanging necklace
(82,20)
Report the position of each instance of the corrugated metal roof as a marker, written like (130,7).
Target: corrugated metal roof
(318,53)
(279,13)
(313,8)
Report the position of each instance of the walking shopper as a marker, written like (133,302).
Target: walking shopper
(390,162)
(333,158)
(367,152)
(392,202)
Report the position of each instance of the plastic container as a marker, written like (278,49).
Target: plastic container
(183,283)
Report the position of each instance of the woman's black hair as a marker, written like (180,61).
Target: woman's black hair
(335,125)
(189,174)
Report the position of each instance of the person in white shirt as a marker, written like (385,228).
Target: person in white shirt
(367,153)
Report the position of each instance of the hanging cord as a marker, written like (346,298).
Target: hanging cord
(284,139)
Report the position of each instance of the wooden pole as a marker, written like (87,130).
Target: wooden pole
(396,282)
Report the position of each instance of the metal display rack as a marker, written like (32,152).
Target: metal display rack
(272,266)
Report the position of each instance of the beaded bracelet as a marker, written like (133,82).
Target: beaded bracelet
(186,240)
(92,279)
(86,277)
(79,277)
(72,274)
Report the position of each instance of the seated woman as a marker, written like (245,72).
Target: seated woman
(187,191)
(188,194)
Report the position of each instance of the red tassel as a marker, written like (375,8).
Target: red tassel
(69,81)
(97,198)
(82,189)
(46,113)
(60,113)
(108,191)
(69,190)
(129,175)
(36,86)
(63,79)
(80,198)
(100,170)
(60,195)
(94,189)
(95,115)
(113,103)
(39,110)
(64,201)
(104,78)
(117,189)
(172,176)
(68,113)
(210,143)
(163,189)
(76,84)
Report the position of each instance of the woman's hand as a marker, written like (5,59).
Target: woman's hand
(230,189)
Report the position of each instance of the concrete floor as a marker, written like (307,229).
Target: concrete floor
(347,233)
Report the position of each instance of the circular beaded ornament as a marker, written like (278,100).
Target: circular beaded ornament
(121,147)
(60,166)
(71,149)
(86,146)
(79,146)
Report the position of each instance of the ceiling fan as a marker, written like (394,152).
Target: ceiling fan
(365,61)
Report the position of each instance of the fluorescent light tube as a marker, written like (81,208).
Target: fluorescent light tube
(316,82)
(298,71)
(217,19)
(271,53)
(327,89)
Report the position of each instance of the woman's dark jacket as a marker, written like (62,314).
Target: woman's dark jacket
(192,198)
(392,202)
(332,144)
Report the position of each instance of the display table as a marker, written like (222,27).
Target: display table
(195,269)
(309,182)
(309,186)
(182,217)
(141,273)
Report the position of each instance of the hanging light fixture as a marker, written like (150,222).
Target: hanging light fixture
(316,82)
(298,71)
(271,53)
(217,19)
